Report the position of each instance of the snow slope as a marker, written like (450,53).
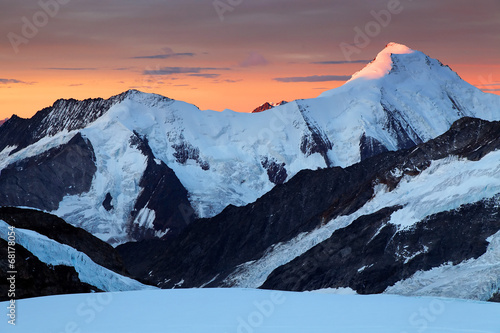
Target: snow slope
(54,253)
(120,167)
(246,311)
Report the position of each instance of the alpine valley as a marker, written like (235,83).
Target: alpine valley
(387,184)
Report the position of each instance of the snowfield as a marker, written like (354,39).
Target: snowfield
(248,311)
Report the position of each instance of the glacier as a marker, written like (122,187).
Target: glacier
(54,253)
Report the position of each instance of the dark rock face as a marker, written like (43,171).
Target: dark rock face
(162,193)
(369,147)
(263,107)
(369,255)
(456,106)
(275,171)
(42,181)
(107,202)
(398,127)
(212,248)
(371,234)
(267,106)
(35,278)
(69,114)
(57,229)
(185,151)
(315,141)
(138,256)
(495,298)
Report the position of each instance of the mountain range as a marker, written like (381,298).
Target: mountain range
(388,183)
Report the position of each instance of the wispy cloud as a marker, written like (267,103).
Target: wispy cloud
(207,76)
(71,68)
(313,78)
(165,56)
(167,53)
(491,89)
(181,70)
(232,81)
(14,81)
(340,62)
(7,81)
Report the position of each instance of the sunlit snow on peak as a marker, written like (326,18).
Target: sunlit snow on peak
(382,64)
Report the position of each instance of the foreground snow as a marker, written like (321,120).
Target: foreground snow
(245,310)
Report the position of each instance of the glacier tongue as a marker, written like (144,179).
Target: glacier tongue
(54,253)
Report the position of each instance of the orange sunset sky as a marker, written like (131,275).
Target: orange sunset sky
(234,54)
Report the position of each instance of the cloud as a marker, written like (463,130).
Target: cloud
(181,70)
(7,81)
(71,68)
(11,81)
(313,78)
(254,59)
(340,62)
(165,56)
(207,76)
(167,53)
(491,89)
(75,85)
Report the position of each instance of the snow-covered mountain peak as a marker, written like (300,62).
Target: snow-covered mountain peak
(383,63)
(398,63)
(399,70)
(143,98)
(397,48)
(64,112)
